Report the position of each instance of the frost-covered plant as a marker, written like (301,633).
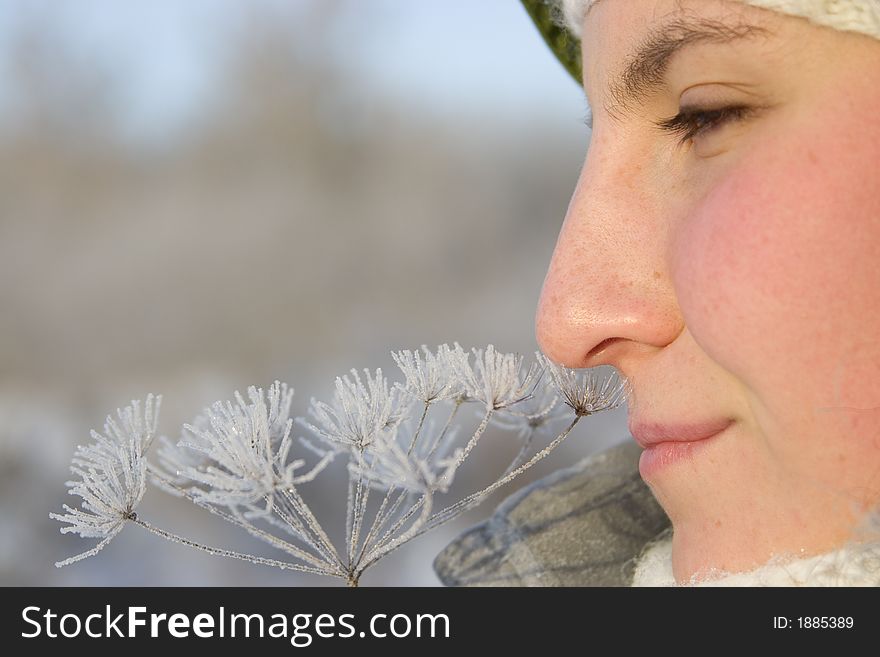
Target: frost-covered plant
(113,476)
(399,443)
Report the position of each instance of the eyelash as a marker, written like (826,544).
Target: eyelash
(690,123)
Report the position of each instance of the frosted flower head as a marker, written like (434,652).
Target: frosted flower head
(245,448)
(426,468)
(174,460)
(496,379)
(192,451)
(112,475)
(541,413)
(434,379)
(358,414)
(585,391)
(238,454)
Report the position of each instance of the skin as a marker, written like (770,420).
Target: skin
(736,276)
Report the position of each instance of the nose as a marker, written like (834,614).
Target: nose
(608,297)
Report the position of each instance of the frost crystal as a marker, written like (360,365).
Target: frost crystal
(435,379)
(112,472)
(399,443)
(542,413)
(358,412)
(246,446)
(427,467)
(584,391)
(495,379)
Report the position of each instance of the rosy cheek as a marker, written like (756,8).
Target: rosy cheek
(777,268)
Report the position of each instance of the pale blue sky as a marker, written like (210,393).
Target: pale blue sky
(443,56)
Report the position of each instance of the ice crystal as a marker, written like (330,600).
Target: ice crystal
(425,468)
(434,379)
(585,391)
(358,412)
(246,447)
(495,379)
(112,475)
(399,442)
(541,413)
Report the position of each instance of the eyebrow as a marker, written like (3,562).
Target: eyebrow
(645,70)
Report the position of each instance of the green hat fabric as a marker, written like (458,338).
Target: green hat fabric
(565,45)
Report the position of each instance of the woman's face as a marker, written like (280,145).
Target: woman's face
(732,273)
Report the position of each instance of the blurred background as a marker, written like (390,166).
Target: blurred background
(198,196)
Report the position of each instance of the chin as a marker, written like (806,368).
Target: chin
(706,546)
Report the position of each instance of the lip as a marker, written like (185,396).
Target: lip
(665,444)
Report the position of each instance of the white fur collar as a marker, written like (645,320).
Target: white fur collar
(855,564)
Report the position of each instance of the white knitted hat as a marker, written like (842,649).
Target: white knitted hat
(851,15)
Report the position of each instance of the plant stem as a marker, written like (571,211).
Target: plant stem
(227,553)
(471,500)
(415,437)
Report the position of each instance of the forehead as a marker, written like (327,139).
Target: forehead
(611,28)
(628,44)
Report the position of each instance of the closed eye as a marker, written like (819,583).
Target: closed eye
(695,122)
